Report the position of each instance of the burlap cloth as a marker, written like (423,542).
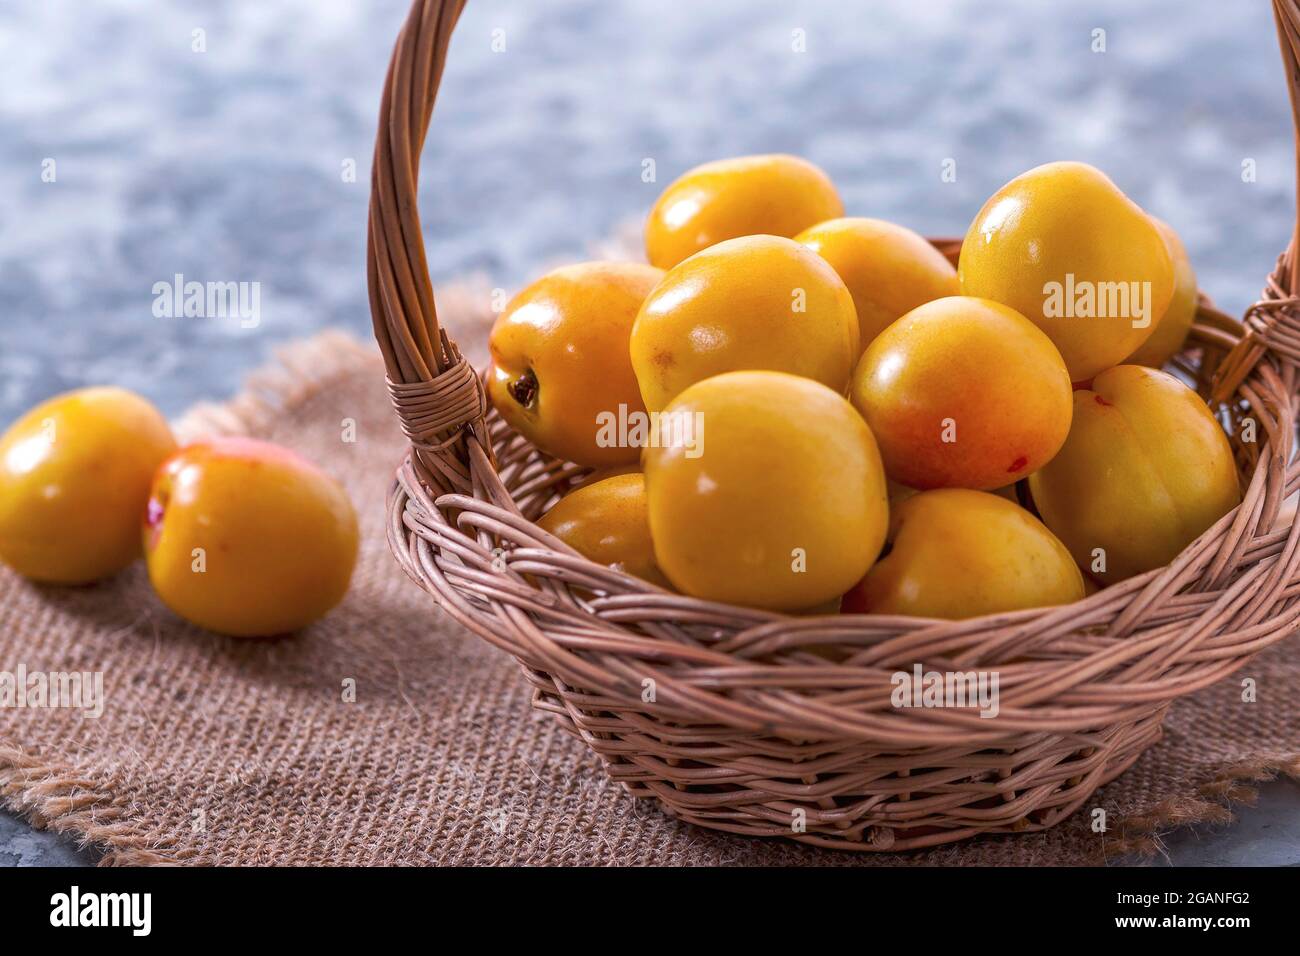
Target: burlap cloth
(220,751)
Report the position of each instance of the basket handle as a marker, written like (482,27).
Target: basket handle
(434,389)
(1273,323)
(1287,15)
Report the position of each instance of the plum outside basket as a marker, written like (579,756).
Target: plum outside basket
(747,730)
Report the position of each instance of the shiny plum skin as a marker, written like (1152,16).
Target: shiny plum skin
(247,538)
(783,507)
(1145,470)
(963,393)
(758,302)
(889,269)
(772,194)
(74,480)
(1066,226)
(957,553)
(559,360)
(608,521)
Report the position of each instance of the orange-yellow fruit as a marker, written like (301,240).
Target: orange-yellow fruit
(1171,331)
(775,195)
(611,471)
(1145,470)
(782,503)
(608,522)
(965,393)
(758,302)
(889,269)
(74,479)
(1064,247)
(560,370)
(958,553)
(247,538)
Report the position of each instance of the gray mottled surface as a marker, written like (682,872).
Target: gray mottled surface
(1267,833)
(226,165)
(20,845)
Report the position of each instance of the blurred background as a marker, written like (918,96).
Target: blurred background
(230,141)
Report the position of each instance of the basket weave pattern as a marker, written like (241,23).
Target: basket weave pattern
(735,718)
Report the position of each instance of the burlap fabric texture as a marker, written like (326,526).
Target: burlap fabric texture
(219,751)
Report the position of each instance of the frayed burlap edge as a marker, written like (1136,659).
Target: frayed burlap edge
(1140,834)
(57,798)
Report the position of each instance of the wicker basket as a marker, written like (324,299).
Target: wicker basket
(748,730)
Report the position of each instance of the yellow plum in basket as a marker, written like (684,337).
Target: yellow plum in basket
(957,553)
(247,538)
(1145,470)
(609,522)
(758,302)
(560,369)
(1171,331)
(775,195)
(612,471)
(1064,247)
(963,392)
(777,502)
(74,479)
(889,269)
